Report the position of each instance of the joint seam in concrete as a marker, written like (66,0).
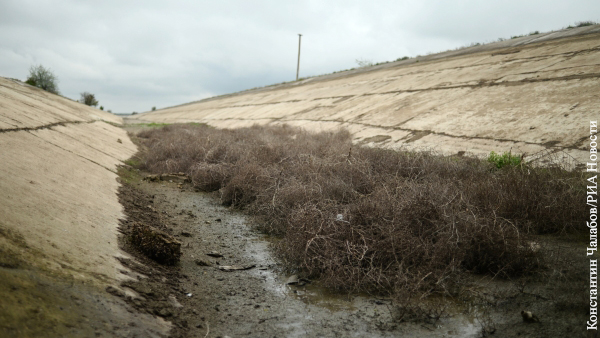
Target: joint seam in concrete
(47,126)
(487,83)
(10,118)
(87,145)
(83,157)
(413,131)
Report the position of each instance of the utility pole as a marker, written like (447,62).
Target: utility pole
(298,69)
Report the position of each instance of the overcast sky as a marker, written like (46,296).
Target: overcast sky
(134,55)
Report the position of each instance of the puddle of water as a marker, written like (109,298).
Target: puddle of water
(310,294)
(316,295)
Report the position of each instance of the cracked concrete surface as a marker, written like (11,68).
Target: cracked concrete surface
(58,164)
(59,245)
(532,95)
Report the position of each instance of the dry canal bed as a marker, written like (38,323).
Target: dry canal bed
(202,299)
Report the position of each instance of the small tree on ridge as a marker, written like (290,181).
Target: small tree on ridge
(42,78)
(88,99)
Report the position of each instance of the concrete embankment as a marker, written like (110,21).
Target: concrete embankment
(60,213)
(533,95)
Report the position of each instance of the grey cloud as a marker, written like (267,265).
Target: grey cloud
(137,54)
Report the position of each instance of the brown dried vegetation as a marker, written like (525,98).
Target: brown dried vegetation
(155,244)
(364,219)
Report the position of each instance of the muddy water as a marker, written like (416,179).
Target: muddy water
(257,302)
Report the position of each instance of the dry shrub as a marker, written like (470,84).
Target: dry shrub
(209,176)
(375,220)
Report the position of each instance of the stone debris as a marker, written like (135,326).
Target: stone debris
(202,262)
(292,280)
(176,177)
(173,301)
(304,281)
(529,317)
(173,177)
(236,267)
(214,254)
(152,178)
(163,312)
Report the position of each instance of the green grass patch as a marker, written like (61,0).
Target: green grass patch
(134,161)
(129,173)
(154,125)
(506,159)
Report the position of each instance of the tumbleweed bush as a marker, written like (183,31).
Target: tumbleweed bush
(374,220)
